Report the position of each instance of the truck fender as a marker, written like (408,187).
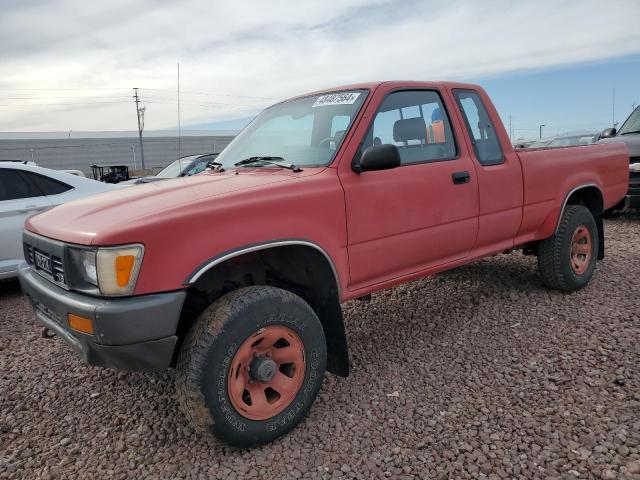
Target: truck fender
(319,275)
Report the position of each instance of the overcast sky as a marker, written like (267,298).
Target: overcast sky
(71,64)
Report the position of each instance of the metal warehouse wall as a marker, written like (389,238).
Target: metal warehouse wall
(80,153)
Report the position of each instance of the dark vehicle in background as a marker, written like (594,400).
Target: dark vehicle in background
(629,134)
(114,173)
(183,167)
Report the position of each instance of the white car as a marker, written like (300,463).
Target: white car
(26,189)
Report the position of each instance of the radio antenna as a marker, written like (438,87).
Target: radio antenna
(179,125)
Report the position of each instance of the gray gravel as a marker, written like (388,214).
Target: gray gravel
(475,372)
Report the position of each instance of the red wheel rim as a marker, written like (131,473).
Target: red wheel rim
(266,372)
(581,248)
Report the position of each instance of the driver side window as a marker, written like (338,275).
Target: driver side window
(415,122)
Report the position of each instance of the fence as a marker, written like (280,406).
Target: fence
(80,154)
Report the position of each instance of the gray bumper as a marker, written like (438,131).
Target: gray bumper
(133,333)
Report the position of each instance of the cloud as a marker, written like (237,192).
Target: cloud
(237,57)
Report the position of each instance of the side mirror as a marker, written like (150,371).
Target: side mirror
(378,157)
(608,133)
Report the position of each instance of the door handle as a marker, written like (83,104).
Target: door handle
(460,177)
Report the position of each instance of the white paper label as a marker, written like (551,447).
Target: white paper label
(342,98)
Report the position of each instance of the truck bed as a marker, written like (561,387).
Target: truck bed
(572,167)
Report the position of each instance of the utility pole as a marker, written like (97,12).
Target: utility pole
(140,114)
(541,130)
(510,130)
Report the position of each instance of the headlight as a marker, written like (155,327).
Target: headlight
(87,259)
(118,269)
(114,270)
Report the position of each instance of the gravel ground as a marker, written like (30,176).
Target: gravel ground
(475,372)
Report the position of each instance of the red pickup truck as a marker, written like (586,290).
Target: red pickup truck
(235,276)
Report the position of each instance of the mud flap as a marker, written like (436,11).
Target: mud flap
(337,349)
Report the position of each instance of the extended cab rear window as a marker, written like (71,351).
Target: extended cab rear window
(480,127)
(417,123)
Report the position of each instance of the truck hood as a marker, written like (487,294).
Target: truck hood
(81,221)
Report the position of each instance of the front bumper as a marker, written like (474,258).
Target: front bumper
(133,333)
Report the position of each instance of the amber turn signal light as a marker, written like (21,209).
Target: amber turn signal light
(124,265)
(80,324)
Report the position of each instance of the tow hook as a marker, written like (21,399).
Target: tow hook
(47,333)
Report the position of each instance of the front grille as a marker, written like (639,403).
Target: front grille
(56,272)
(57,268)
(634,179)
(28,254)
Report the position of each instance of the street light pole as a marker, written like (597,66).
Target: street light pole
(541,130)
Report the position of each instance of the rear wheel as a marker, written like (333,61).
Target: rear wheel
(251,366)
(567,260)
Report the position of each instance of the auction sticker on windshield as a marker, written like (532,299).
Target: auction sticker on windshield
(342,98)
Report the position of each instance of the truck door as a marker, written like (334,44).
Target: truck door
(498,170)
(421,214)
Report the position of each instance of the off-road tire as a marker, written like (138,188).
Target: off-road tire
(210,345)
(554,253)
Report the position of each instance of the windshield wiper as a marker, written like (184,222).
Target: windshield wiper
(278,161)
(632,131)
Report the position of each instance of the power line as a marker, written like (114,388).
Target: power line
(56,96)
(36,104)
(208,104)
(213,94)
(57,89)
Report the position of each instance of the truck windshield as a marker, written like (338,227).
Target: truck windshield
(306,131)
(631,124)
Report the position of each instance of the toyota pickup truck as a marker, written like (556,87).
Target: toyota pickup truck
(235,276)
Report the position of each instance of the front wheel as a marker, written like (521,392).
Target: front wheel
(251,366)
(567,260)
